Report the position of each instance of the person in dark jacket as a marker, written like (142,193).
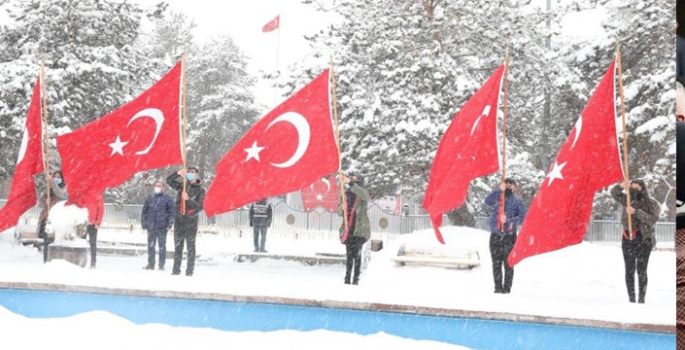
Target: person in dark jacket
(503,232)
(644,211)
(92,232)
(58,193)
(185,225)
(359,229)
(260,219)
(157,219)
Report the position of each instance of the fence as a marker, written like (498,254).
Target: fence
(287,220)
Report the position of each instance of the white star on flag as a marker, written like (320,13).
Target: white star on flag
(118,146)
(253,152)
(319,197)
(555,173)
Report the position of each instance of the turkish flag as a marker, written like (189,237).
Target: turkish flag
(588,161)
(291,147)
(272,25)
(467,151)
(143,134)
(30,162)
(323,193)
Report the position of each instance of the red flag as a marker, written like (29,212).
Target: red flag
(22,195)
(323,193)
(143,134)
(272,25)
(288,149)
(588,161)
(467,151)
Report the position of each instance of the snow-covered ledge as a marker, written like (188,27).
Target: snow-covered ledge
(350,305)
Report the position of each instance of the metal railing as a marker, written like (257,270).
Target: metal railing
(287,220)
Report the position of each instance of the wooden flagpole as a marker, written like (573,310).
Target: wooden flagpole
(337,140)
(625,133)
(183,139)
(504,136)
(44,118)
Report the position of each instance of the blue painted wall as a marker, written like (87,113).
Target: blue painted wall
(235,316)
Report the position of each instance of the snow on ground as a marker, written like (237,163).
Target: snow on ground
(584,281)
(70,333)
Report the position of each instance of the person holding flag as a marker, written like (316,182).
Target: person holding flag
(636,250)
(503,231)
(58,193)
(358,229)
(185,224)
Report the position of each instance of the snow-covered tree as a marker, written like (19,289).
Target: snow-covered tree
(92,60)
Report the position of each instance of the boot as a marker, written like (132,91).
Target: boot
(355,281)
(347,279)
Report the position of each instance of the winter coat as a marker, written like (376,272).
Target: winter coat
(196,196)
(361,226)
(158,212)
(260,214)
(646,215)
(514,209)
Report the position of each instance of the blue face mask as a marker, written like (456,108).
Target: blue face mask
(57,181)
(190,176)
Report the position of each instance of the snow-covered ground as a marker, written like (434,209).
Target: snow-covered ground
(114,332)
(585,281)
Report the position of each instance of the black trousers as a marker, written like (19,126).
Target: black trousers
(636,257)
(46,240)
(185,231)
(354,257)
(93,240)
(500,247)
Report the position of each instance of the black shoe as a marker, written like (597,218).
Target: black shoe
(355,282)
(148,267)
(161,268)
(499,291)
(189,274)
(176,273)
(256,250)
(347,281)
(263,250)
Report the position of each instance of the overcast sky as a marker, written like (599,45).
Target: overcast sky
(243,20)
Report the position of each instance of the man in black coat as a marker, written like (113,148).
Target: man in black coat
(260,219)
(185,226)
(157,219)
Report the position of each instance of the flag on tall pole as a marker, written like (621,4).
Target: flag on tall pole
(141,135)
(289,148)
(30,162)
(468,150)
(272,24)
(588,161)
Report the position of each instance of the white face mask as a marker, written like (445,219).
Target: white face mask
(158,190)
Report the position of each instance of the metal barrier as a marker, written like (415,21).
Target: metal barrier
(289,221)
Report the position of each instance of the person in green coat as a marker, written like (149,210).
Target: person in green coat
(359,229)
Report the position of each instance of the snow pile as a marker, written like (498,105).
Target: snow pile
(114,332)
(65,219)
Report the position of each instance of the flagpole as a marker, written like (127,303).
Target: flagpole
(46,143)
(337,140)
(625,133)
(185,162)
(278,51)
(504,136)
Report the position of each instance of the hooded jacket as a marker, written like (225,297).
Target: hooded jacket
(647,210)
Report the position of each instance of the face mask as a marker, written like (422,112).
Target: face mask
(508,192)
(636,194)
(57,181)
(158,190)
(190,176)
